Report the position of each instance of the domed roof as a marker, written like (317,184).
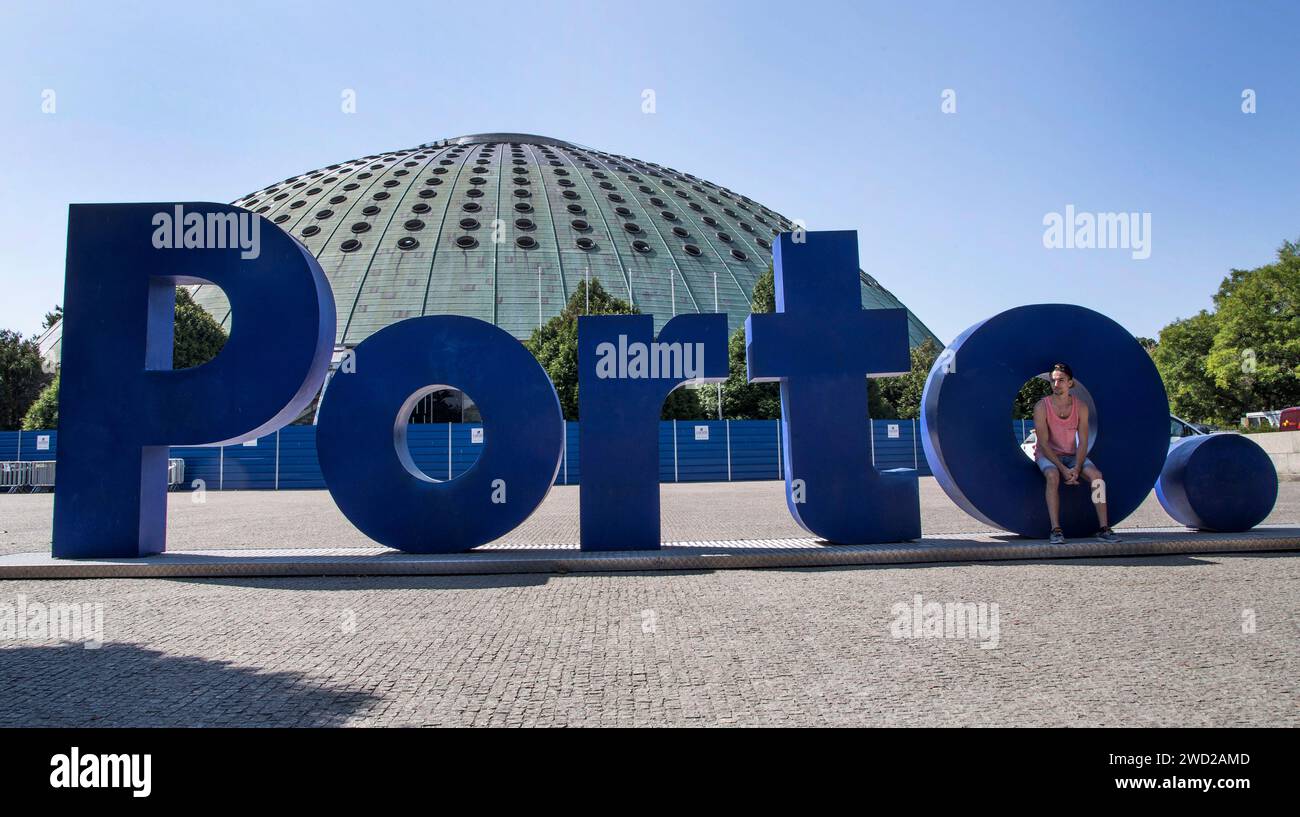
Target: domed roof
(503,227)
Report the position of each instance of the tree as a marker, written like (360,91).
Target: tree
(196,339)
(555,345)
(21,377)
(52,318)
(742,400)
(1180,357)
(1255,354)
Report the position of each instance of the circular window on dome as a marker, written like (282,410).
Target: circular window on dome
(646,189)
(522,193)
(414,224)
(380,196)
(669,215)
(427,193)
(729,211)
(519,162)
(310,230)
(297,204)
(281,197)
(370,210)
(280,219)
(471,207)
(526,241)
(696,207)
(446,161)
(360,227)
(738,255)
(313,191)
(615,197)
(433,182)
(599,175)
(585,243)
(711,221)
(571,194)
(474,194)
(350,245)
(561,172)
(524,223)
(469,224)
(746,227)
(554,163)
(691,249)
(632,178)
(376,167)
(607,185)
(580,225)
(641,246)
(576,209)
(411,164)
(482,161)
(623,211)
(764,243)
(724,237)
(523,207)
(632,228)
(407,243)
(520,180)
(565,182)
(326,213)
(421,207)
(656,201)
(467,242)
(263,208)
(477,180)
(351,186)
(364,175)
(391,183)
(440,170)
(680,232)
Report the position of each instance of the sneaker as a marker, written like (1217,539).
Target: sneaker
(1108,535)
(1058,537)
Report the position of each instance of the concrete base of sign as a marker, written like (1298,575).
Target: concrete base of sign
(739,554)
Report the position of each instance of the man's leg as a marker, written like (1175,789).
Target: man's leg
(1093,475)
(1051,491)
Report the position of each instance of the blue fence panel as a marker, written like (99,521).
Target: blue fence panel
(756,449)
(288,460)
(299,467)
(38,445)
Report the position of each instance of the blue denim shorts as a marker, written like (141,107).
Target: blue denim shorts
(1068,460)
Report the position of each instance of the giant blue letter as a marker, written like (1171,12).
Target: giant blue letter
(624,375)
(966,414)
(821,346)
(120,402)
(361,435)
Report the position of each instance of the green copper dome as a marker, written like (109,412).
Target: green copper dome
(503,226)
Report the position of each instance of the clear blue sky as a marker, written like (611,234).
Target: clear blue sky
(826,112)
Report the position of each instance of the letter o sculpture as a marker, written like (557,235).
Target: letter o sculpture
(1219,482)
(966,417)
(361,435)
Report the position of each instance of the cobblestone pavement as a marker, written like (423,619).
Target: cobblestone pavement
(1206,640)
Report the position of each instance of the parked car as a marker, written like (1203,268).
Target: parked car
(1178,429)
(1290,419)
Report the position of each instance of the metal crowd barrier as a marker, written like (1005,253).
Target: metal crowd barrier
(38,475)
(14,476)
(42,475)
(175,473)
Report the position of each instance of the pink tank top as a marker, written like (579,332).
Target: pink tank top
(1062,433)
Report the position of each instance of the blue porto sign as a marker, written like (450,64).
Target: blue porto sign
(122,404)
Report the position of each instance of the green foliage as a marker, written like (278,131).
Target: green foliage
(742,400)
(1255,355)
(1180,358)
(555,345)
(44,413)
(52,318)
(198,337)
(1245,355)
(1028,397)
(196,340)
(21,377)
